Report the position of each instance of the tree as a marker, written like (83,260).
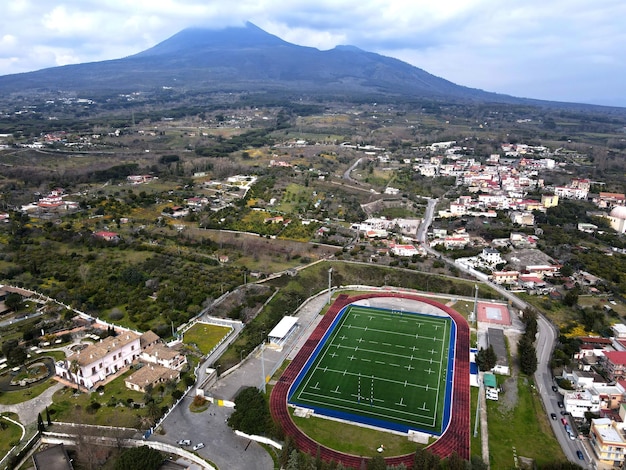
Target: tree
(377,463)
(251,413)
(530,322)
(14,353)
(48,417)
(527,356)
(40,426)
(139,458)
(486,358)
(13,301)
(571,298)
(74,368)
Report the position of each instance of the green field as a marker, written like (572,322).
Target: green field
(381,367)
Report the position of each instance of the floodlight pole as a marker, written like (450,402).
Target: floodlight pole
(263,364)
(480,389)
(330,280)
(475,312)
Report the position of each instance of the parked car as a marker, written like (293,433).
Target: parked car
(564,421)
(199,445)
(554,388)
(560,404)
(580,455)
(564,413)
(553,415)
(184,442)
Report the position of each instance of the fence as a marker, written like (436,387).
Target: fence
(71,439)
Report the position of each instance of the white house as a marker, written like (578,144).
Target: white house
(100,360)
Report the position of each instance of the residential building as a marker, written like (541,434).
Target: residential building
(164,356)
(549,200)
(504,277)
(607,441)
(579,402)
(614,363)
(522,218)
(107,236)
(150,375)
(100,360)
(491,256)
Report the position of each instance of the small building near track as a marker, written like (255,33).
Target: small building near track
(281,332)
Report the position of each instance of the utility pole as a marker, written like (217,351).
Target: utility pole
(330,280)
(474,315)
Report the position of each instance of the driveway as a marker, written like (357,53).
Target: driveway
(222,446)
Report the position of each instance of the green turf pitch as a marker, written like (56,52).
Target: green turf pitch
(384,367)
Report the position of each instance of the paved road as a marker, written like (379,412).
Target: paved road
(546,339)
(223,446)
(28,410)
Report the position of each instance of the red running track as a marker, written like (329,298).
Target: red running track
(455,438)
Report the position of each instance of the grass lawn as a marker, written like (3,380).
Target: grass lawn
(10,433)
(354,440)
(475,442)
(69,407)
(19,396)
(205,336)
(525,428)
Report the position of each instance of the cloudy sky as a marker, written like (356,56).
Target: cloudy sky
(563,50)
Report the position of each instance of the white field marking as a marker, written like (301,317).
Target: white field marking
(403,321)
(317,386)
(380,362)
(339,326)
(430,371)
(384,353)
(333,354)
(395,365)
(381,411)
(373,342)
(386,344)
(319,359)
(409,368)
(365,329)
(400,346)
(423,408)
(343,337)
(371,318)
(432,351)
(380,379)
(336,390)
(366,360)
(401,402)
(352,358)
(442,369)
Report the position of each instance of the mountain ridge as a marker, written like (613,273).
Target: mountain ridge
(248,59)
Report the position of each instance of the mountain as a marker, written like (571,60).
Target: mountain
(247,59)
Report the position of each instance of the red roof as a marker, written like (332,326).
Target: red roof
(616,357)
(106,234)
(594,340)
